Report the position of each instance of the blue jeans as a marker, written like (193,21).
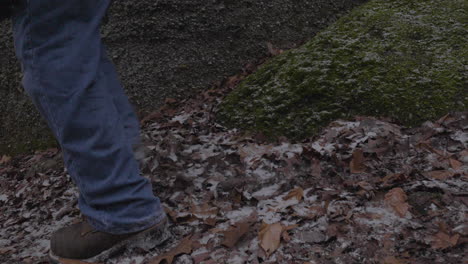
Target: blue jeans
(76,89)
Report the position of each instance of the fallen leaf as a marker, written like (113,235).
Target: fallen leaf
(171,213)
(233,81)
(316,170)
(153,116)
(357,163)
(442,240)
(365,186)
(184,247)
(272,50)
(396,198)
(456,165)
(204,211)
(446,118)
(270,237)
(297,193)
(391,179)
(5,159)
(464,153)
(427,146)
(6,250)
(393,260)
(234,233)
(440,174)
(211,221)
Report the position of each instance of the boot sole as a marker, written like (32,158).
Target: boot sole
(148,238)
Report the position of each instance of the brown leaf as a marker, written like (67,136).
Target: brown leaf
(391,179)
(427,146)
(393,260)
(171,213)
(5,159)
(270,237)
(464,153)
(272,50)
(170,101)
(440,174)
(286,236)
(357,163)
(184,247)
(396,198)
(456,165)
(316,170)
(445,119)
(211,221)
(442,240)
(234,233)
(204,211)
(297,193)
(233,81)
(6,250)
(153,116)
(365,186)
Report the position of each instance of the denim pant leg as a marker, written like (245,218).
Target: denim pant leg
(125,109)
(59,46)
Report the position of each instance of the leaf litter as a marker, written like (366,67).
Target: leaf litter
(363,191)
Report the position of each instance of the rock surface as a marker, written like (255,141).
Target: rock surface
(400,59)
(171,48)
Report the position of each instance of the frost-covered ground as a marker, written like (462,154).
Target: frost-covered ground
(363,191)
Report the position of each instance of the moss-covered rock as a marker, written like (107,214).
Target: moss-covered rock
(401,59)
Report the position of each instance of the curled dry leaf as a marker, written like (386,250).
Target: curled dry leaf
(440,174)
(185,247)
(4,159)
(391,179)
(204,211)
(393,260)
(357,163)
(6,250)
(171,213)
(455,164)
(442,240)
(272,50)
(297,193)
(428,147)
(365,186)
(270,236)
(316,169)
(396,198)
(234,233)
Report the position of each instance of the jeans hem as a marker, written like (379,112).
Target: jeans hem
(126,228)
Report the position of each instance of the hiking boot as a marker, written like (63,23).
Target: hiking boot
(82,242)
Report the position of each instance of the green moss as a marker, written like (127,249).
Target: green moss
(402,59)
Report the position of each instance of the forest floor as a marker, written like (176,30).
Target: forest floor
(363,191)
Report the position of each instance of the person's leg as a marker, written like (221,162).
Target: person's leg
(59,46)
(122,104)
